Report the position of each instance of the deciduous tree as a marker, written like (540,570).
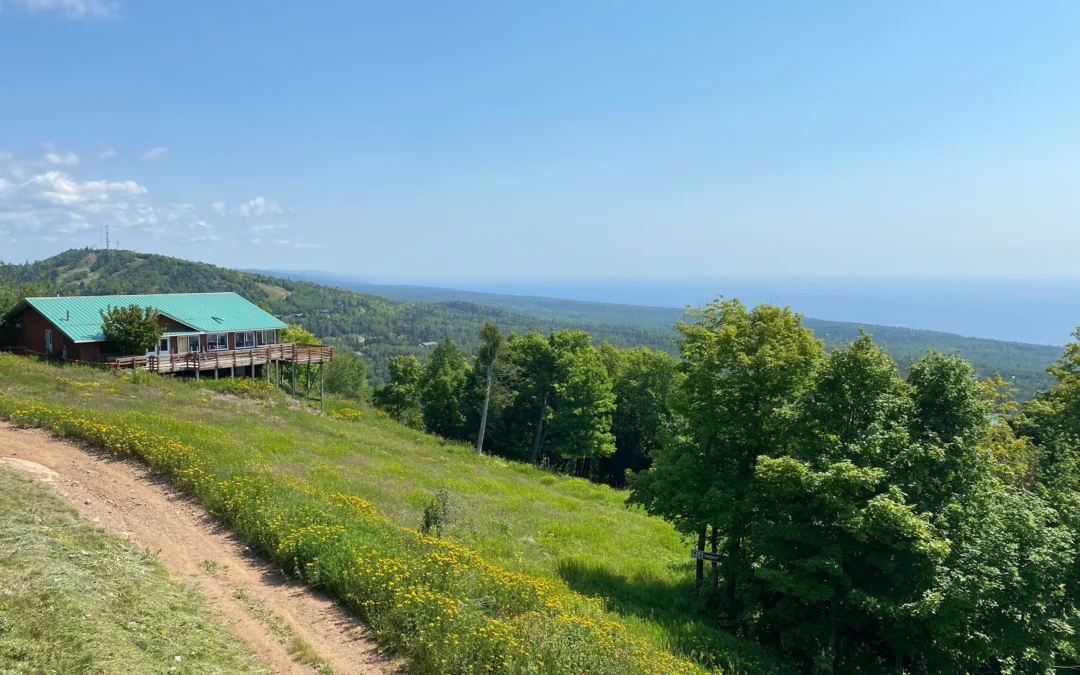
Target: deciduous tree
(400,397)
(442,391)
(130,330)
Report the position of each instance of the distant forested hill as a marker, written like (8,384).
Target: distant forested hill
(386,320)
(377,327)
(1025,364)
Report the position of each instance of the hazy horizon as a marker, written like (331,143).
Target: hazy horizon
(1034,310)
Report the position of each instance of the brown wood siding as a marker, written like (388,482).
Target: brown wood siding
(30,333)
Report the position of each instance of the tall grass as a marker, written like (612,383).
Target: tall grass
(74,599)
(338,500)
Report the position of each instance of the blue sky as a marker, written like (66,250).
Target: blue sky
(447,141)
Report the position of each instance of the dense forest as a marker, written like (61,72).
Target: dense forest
(381,327)
(1022,364)
(863,522)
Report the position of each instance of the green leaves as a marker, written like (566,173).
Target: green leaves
(400,397)
(871,523)
(130,330)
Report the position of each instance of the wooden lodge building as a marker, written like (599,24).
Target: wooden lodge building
(201,332)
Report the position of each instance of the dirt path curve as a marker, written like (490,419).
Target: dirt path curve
(125,498)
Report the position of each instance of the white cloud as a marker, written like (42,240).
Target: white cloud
(202,239)
(10,166)
(43,200)
(74,9)
(295,244)
(107,153)
(61,158)
(156,154)
(258,207)
(57,187)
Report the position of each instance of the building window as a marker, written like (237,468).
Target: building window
(194,344)
(267,337)
(162,347)
(217,342)
(245,340)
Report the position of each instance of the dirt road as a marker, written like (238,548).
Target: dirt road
(267,613)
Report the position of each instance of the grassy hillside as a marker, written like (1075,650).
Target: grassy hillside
(555,565)
(1024,364)
(386,326)
(74,599)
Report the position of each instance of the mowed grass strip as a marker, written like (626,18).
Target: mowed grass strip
(515,518)
(74,599)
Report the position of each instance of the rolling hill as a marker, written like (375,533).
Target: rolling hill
(382,321)
(378,327)
(1025,364)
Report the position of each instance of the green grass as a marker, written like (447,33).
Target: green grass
(572,534)
(74,599)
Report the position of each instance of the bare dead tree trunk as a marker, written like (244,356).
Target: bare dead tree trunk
(715,568)
(483,415)
(699,573)
(538,437)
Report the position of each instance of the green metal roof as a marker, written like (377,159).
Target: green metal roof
(79,317)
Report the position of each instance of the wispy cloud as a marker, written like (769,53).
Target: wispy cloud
(220,208)
(53,156)
(107,153)
(263,228)
(259,206)
(73,9)
(156,154)
(295,244)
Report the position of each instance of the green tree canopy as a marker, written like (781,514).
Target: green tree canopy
(400,397)
(346,375)
(442,391)
(130,330)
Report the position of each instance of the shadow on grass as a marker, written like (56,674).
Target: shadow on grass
(671,607)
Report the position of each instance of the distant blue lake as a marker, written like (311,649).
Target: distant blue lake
(1043,311)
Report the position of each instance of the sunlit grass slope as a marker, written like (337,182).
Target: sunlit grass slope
(74,599)
(565,534)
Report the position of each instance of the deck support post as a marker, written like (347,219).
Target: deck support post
(196,366)
(308,394)
(294,376)
(215,373)
(232,369)
(322,389)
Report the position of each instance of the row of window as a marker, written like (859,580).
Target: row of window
(219,342)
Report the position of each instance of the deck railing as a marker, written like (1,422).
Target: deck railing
(233,358)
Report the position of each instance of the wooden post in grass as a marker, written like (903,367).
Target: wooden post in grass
(308,394)
(294,375)
(215,373)
(197,366)
(322,389)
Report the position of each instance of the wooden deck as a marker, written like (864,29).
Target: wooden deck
(289,352)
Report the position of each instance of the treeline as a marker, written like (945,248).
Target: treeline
(553,399)
(336,315)
(863,522)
